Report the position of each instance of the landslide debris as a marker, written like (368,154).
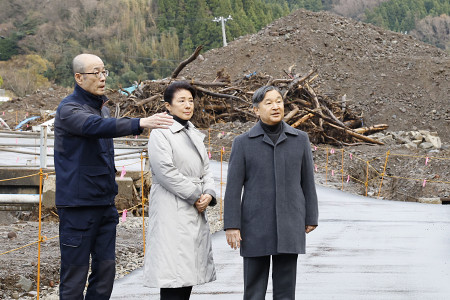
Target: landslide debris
(391,77)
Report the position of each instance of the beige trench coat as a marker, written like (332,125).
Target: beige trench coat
(178,245)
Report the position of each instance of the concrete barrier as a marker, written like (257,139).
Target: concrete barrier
(48,192)
(430,200)
(30,186)
(27,185)
(123,199)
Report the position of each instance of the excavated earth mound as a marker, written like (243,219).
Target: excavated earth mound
(390,77)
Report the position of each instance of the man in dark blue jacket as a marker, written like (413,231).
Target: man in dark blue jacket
(85,180)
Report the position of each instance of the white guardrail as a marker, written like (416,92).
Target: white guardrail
(26,143)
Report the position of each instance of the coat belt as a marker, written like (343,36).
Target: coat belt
(194,180)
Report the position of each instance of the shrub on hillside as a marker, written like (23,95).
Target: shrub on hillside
(23,74)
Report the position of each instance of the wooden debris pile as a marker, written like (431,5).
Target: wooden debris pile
(324,117)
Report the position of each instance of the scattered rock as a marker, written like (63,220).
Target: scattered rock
(411,145)
(426,145)
(386,139)
(15,295)
(12,235)
(410,139)
(32,294)
(434,140)
(25,284)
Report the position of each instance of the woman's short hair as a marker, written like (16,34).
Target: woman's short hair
(176,86)
(260,93)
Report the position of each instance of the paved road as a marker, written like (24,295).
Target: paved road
(364,248)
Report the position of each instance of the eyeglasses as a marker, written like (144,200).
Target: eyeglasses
(105,73)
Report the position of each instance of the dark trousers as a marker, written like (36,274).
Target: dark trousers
(87,233)
(284,275)
(181,293)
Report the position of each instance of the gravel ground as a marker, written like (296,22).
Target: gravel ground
(19,268)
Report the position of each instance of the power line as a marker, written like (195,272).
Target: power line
(149,58)
(182,19)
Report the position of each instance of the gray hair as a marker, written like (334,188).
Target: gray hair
(260,93)
(78,63)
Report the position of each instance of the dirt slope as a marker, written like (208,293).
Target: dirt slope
(392,78)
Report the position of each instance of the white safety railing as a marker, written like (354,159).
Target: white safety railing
(39,144)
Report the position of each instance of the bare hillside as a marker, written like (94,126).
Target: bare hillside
(391,78)
(354,9)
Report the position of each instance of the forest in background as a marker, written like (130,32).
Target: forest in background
(146,39)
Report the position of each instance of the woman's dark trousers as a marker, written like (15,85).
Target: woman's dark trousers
(181,293)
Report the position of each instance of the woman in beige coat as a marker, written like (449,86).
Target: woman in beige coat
(178,250)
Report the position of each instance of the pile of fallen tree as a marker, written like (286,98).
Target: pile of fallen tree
(326,118)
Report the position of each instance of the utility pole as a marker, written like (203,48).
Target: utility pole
(223,20)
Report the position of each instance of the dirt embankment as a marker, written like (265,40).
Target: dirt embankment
(391,78)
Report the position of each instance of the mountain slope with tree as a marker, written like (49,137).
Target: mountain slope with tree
(146,39)
(427,20)
(138,39)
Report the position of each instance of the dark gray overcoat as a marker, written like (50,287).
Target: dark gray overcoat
(279,196)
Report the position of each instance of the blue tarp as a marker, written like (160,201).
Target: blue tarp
(128,89)
(26,121)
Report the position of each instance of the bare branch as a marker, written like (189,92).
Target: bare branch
(185,62)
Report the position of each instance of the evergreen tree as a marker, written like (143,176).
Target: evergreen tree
(8,47)
(402,15)
(142,38)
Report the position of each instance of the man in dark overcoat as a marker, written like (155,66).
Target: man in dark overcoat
(85,180)
(269,219)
